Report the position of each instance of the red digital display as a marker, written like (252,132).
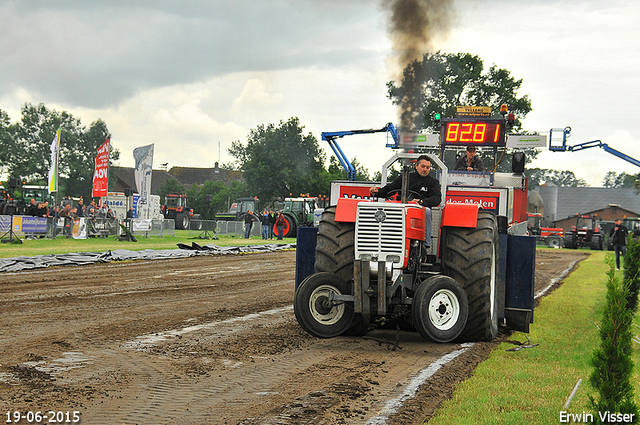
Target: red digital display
(473,133)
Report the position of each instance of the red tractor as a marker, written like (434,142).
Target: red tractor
(367,267)
(585,232)
(176,208)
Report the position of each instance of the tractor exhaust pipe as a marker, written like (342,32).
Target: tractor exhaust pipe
(405,184)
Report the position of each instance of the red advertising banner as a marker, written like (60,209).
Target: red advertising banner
(101,173)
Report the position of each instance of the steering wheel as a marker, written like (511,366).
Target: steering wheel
(411,194)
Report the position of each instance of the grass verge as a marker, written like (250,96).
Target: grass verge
(532,385)
(62,245)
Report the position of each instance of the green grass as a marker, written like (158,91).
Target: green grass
(62,245)
(532,385)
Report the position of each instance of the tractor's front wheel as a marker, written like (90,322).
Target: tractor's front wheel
(314,310)
(440,309)
(335,253)
(470,258)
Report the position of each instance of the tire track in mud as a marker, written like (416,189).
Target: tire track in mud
(348,381)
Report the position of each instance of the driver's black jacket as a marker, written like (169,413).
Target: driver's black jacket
(427,187)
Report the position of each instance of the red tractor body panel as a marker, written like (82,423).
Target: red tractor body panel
(460,215)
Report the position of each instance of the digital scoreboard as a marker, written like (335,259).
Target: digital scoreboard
(477,132)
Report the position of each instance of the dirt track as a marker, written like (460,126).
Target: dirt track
(208,340)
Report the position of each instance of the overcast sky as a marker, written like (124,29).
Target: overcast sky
(193,76)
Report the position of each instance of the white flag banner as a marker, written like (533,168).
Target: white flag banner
(53,171)
(143,156)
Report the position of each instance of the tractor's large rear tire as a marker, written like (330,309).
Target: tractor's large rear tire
(470,258)
(313,310)
(290,230)
(570,240)
(440,309)
(335,253)
(182,221)
(197,223)
(554,241)
(597,242)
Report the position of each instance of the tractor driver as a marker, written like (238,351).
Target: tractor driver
(420,182)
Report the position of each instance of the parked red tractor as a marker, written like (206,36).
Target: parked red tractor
(367,260)
(552,236)
(176,208)
(584,233)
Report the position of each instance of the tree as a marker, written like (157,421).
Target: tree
(538,176)
(632,272)
(81,164)
(27,153)
(215,196)
(440,82)
(171,185)
(337,172)
(612,361)
(280,160)
(6,142)
(613,179)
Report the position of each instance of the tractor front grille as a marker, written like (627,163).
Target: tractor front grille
(380,232)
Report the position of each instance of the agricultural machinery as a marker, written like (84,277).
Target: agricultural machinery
(298,212)
(584,233)
(176,207)
(552,236)
(368,265)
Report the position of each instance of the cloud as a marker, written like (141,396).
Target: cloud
(255,97)
(96,54)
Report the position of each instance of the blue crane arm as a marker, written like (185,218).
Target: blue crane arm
(586,145)
(607,148)
(331,136)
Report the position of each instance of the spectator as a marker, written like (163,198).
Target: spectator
(32,209)
(101,212)
(110,213)
(80,208)
(42,210)
(280,225)
(619,237)
(264,219)
(272,223)
(90,210)
(65,214)
(249,218)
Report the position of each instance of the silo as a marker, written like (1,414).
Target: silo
(549,194)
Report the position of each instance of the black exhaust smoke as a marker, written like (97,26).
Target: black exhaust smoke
(414,25)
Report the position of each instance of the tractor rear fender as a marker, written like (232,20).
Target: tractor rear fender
(347,210)
(460,215)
